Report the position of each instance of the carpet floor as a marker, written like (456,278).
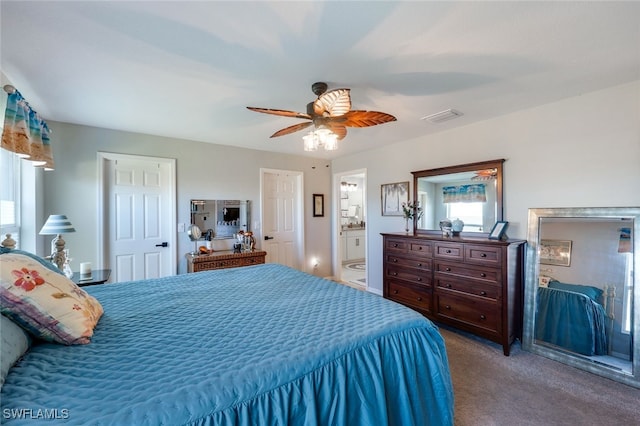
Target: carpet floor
(526,389)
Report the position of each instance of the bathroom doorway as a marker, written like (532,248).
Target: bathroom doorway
(352,228)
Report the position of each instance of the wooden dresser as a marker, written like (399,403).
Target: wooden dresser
(474,284)
(223,259)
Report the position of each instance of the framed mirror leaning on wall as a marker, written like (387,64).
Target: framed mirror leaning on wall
(582,291)
(468,192)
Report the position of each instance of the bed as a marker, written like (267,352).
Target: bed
(572,316)
(257,345)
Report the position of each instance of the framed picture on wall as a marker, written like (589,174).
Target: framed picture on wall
(393,195)
(555,252)
(318,205)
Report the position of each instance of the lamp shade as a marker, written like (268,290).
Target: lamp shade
(57,224)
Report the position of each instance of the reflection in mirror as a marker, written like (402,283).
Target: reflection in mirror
(220,219)
(471,193)
(580,289)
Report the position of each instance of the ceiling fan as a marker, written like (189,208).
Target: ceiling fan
(331,110)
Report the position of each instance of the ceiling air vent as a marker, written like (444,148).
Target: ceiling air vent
(441,116)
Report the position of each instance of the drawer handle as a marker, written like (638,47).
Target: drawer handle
(447,269)
(483,293)
(395,260)
(482,317)
(419,247)
(395,245)
(395,274)
(447,307)
(419,299)
(483,255)
(419,278)
(448,285)
(395,291)
(448,251)
(483,275)
(419,264)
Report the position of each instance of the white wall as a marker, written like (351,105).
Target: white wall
(579,152)
(204,171)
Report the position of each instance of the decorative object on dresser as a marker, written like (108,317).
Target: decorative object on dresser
(470,283)
(498,232)
(224,259)
(411,212)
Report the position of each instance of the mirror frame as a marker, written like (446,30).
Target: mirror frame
(247,219)
(496,164)
(531,284)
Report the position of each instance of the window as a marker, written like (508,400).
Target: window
(9,194)
(470,213)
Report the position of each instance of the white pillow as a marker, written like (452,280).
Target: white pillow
(14,342)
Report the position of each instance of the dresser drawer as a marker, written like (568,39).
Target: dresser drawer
(456,285)
(417,276)
(420,248)
(409,295)
(396,246)
(467,271)
(448,251)
(394,260)
(483,255)
(472,311)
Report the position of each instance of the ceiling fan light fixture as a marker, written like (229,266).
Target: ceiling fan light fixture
(441,116)
(310,141)
(320,137)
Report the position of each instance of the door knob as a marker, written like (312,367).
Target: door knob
(164,244)
(266,237)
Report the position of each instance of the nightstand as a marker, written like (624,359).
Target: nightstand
(98,276)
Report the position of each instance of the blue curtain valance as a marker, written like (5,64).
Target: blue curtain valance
(473,193)
(24,132)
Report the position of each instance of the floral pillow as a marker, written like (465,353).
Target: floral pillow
(45,303)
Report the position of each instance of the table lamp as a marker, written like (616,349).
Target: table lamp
(57,224)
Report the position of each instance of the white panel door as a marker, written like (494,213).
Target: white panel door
(139,221)
(282,217)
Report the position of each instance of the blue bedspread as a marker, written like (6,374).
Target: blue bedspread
(259,345)
(571,320)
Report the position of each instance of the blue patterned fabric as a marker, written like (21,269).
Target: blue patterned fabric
(258,345)
(571,320)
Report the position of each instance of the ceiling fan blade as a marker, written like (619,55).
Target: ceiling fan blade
(281,112)
(338,129)
(291,129)
(365,118)
(334,103)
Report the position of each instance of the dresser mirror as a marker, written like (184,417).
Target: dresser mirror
(580,289)
(471,193)
(220,219)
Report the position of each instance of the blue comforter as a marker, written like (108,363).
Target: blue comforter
(259,345)
(571,320)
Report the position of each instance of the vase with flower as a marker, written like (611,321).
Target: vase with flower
(411,211)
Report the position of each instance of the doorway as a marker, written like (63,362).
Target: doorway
(282,218)
(351,229)
(137,216)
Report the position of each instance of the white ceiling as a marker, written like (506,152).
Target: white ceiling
(189,69)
